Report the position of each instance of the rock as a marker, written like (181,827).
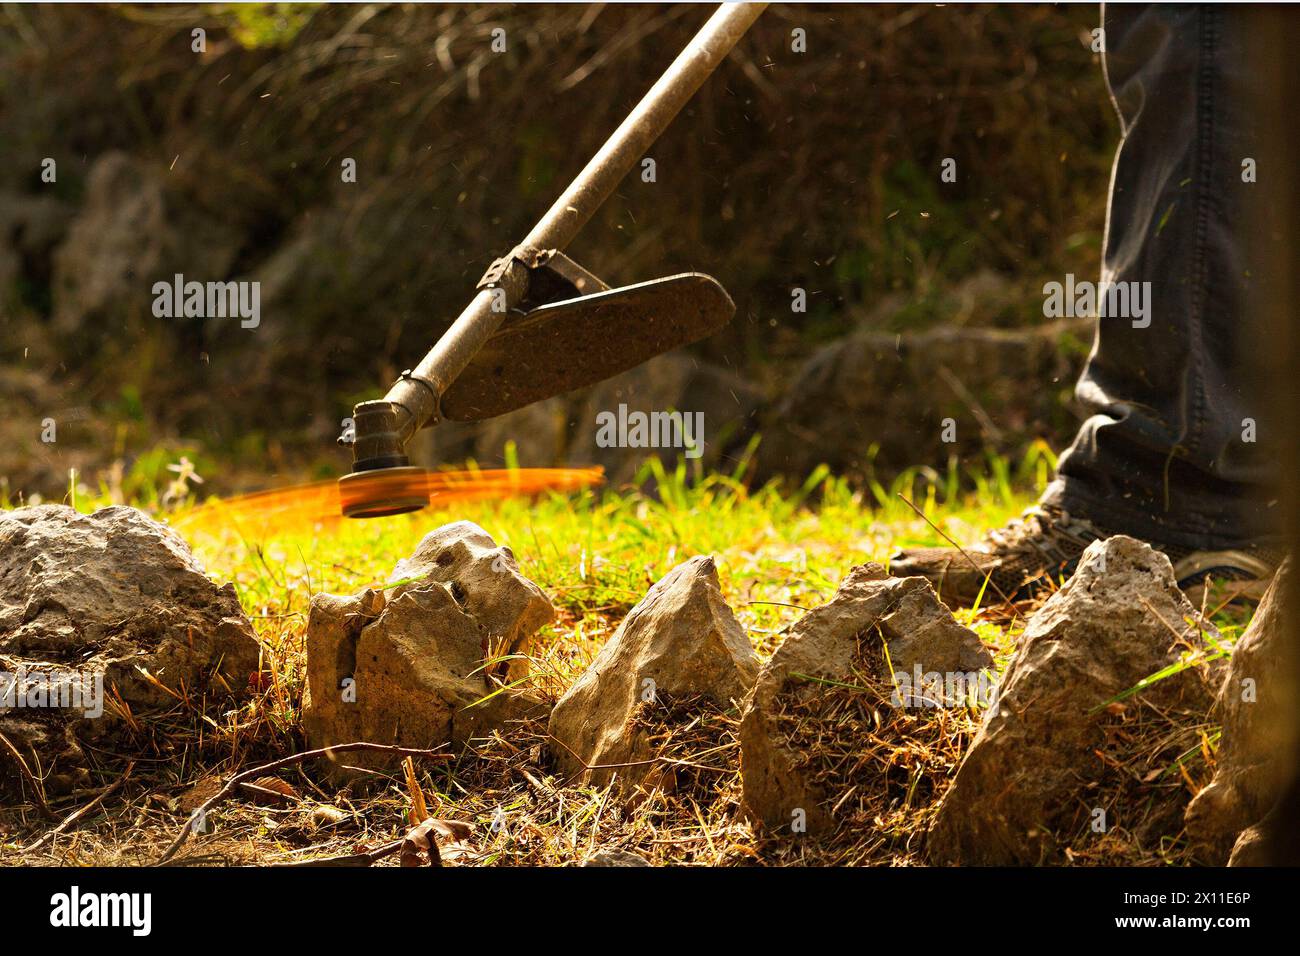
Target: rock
(484,578)
(130,233)
(1251,848)
(674,382)
(420,674)
(330,714)
(115,592)
(49,741)
(1274,840)
(1028,772)
(1001,387)
(615,858)
(1255,707)
(409,668)
(827,644)
(683,637)
(111,594)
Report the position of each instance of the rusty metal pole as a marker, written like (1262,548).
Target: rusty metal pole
(384,427)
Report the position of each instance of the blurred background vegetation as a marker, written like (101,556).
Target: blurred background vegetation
(818,170)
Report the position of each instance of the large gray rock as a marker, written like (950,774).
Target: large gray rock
(112,594)
(1256,706)
(684,640)
(1035,760)
(827,644)
(131,232)
(330,712)
(675,382)
(1254,846)
(414,668)
(894,391)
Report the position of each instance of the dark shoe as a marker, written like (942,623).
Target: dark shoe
(1039,550)
(1242,574)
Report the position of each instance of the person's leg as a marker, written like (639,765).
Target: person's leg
(1164,455)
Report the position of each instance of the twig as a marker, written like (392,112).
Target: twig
(233,783)
(274,795)
(352,859)
(601,766)
(78,814)
(595,824)
(975,407)
(988,575)
(1178,638)
(38,795)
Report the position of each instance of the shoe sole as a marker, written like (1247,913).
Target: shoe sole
(1232,576)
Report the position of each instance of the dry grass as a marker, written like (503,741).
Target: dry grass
(880,769)
(883,769)
(1157,757)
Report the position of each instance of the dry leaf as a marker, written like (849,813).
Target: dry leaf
(272,790)
(436,841)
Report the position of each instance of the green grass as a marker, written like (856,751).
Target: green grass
(597,552)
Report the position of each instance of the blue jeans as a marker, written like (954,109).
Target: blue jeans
(1166,453)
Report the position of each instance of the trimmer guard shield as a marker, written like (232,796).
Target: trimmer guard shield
(566,345)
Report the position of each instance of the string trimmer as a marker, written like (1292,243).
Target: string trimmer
(539,324)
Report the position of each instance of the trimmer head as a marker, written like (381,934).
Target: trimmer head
(575,342)
(383,491)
